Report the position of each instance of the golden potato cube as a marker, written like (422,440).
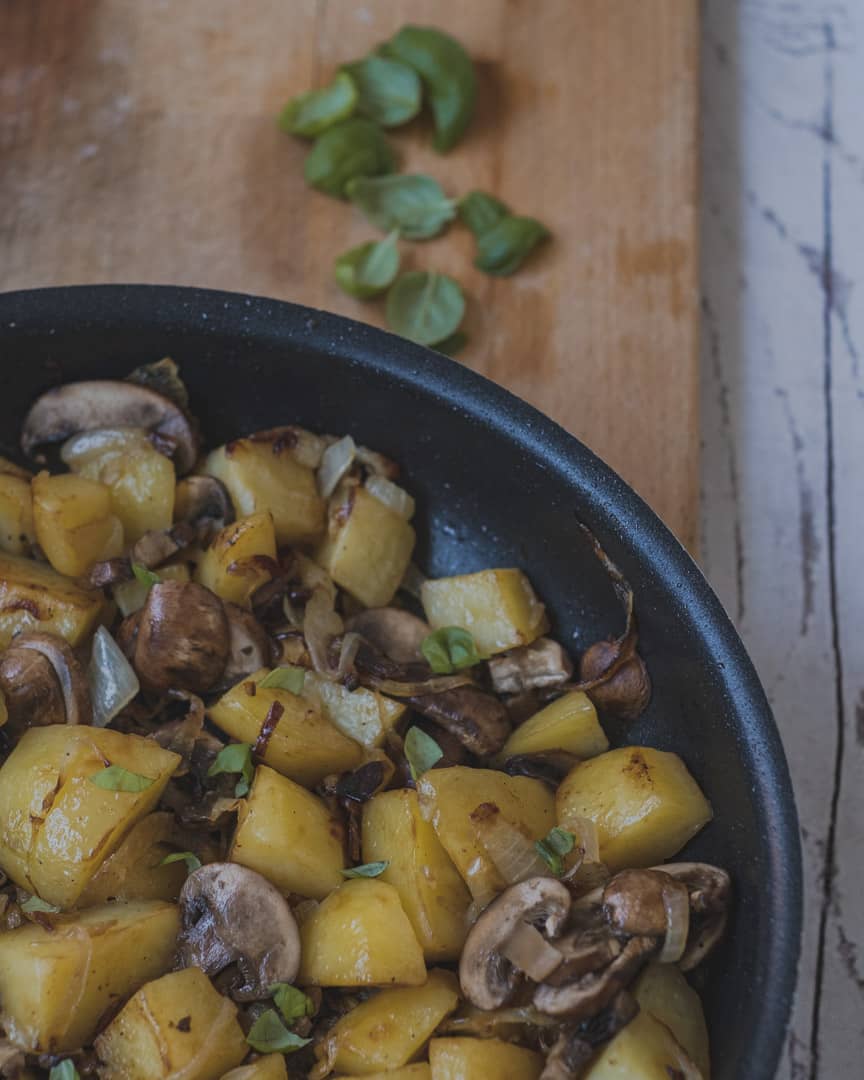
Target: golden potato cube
(9,468)
(433,894)
(360,936)
(304,745)
(363,715)
(644,802)
(448,797)
(418,1071)
(499,608)
(134,871)
(568,723)
(74,523)
(663,992)
(179,1025)
(262,474)
(56,826)
(289,836)
(482,1059)
(392,1027)
(644,1050)
(268,1067)
(17,532)
(35,597)
(131,596)
(57,982)
(367,548)
(140,479)
(240,559)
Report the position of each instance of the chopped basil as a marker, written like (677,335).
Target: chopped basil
(367,870)
(425,307)
(189,857)
(311,113)
(63,1070)
(145,576)
(116,778)
(356,147)
(291,1002)
(502,249)
(389,92)
(284,678)
(481,211)
(422,752)
(450,649)
(235,758)
(554,846)
(34,903)
(369,269)
(269,1035)
(415,205)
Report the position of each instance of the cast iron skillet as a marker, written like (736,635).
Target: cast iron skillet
(497,485)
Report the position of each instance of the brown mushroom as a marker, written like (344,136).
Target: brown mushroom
(539,666)
(392,631)
(487,977)
(589,994)
(550,766)
(108,403)
(477,719)
(710,891)
(231,915)
(43,683)
(249,646)
(159,545)
(627,690)
(636,902)
(200,500)
(182,640)
(110,572)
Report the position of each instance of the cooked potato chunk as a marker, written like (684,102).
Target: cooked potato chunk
(568,723)
(262,474)
(240,559)
(433,894)
(17,532)
(140,479)
(449,796)
(418,1071)
(304,745)
(56,826)
(644,1050)
(269,1067)
(360,936)
(74,522)
(134,872)
(179,1025)
(392,1027)
(57,983)
(363,715)
(644,802)
(663,992)
(499,608)
(367,548)
(289,836)
(482,1059)
(35,597)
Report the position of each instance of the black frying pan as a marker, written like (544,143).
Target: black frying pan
(497,484)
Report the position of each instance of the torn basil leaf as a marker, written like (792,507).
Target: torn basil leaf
(388,91)
(481,211)
(235,758)
(367,870)
(311,113)
(64,1070)
(287,677)
(268,1035)
(425,307)
(553,847)
(502,249)
(35,903)
(116,778)
(291,1002)
(356,147)
(415,205)
(421,751)
(450,649)
(145,576)
(192,861)
(369,269)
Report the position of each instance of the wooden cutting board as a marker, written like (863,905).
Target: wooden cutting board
(138,143)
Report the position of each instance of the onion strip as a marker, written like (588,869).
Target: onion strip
(676,901)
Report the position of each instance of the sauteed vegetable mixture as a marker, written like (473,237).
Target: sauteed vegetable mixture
(274,804)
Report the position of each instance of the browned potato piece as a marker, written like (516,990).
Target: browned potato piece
(17,532)
(568,723)
(240,559)
(663,992)
(269,1067)
(644,1050)
(74,522)
(482,1059)
(134,871)
(35,597)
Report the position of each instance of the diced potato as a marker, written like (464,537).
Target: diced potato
(9,468)
(140,479)
(35,597)
(392,1027)
(482,1059)
(644,1050)
(360,936)
(134,872)
(268,1067)
(131,596)
(17,532)
(499,608)
(304,745)
(262,474)
(367,548)
(57,983)
(363,715)
(176,1026)
(74,522)
(663,992)
(433,894)
(287,834)
(240,559)
(56,826)
(644,802)
(448,797)
(418,1071)
(568,723)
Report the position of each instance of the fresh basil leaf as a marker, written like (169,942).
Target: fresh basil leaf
(389,92)
(356,147)
(235,758)
(553,847)
(425,307)
(311,113)
(145,576)
(116,778)
(64,1070)
(287,677)
(268,1035)
(369,269)
(291,1002)
(448,78)
(453,344)
(415,205)
(35,903)
(189,857)
(450,649)
(367,870)
(502,249)
(481,211)
(422,752)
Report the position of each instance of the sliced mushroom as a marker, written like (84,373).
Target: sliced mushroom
(231,915)
(550,766)
(477,719)
(393,631)
(160,545)
(710,891)
(106,403)
(626,692)
(487,977)
(110,572)
(181,735)
(183,638)
(43,683)
(249,646)
(201,500)
(635,902)
(582,952)
(538,666)
(589,994)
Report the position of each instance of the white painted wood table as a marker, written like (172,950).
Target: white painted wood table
(783,428)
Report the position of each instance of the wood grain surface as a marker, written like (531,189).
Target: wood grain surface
(138,143)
